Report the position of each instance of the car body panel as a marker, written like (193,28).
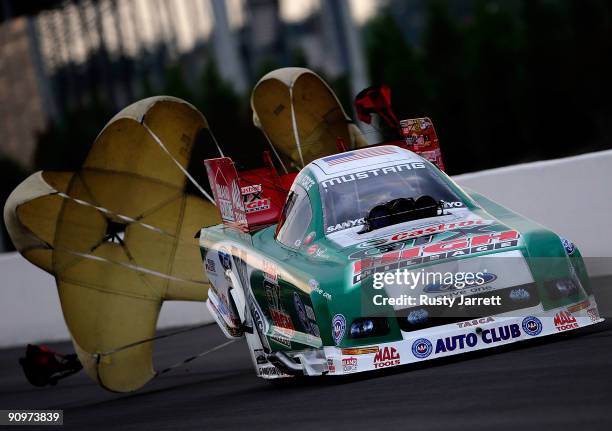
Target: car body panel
(305,296)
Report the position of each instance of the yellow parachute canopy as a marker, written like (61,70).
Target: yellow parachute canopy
(118,235)
(301,116)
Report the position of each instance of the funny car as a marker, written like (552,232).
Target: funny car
(309,292)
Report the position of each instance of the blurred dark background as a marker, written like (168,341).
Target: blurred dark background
(505,81)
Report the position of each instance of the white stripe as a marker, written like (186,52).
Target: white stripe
(163,147)
(294,125)
(111,213)
(131,266)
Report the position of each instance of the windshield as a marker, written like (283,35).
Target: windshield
(295,218)
(347,199)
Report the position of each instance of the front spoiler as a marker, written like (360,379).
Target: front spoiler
(457,338)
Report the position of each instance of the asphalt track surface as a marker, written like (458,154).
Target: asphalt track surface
(559,382)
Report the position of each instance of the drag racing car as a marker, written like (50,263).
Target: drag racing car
(307,292)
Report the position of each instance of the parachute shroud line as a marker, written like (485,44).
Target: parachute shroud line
(178,164)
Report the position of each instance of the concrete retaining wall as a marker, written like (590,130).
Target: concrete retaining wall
(30,311)
(571,196)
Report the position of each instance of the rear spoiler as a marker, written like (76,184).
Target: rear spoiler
(416,134)
(248,200)
(253,199)
(419,136)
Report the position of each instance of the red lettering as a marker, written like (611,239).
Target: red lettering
(390,257)
(502,236)
(386,354)
(410,253)
(446,246)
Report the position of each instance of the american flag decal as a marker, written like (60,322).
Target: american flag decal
(357,155)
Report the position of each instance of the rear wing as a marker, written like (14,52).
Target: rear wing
(248,200)
(415,134)
(419,136)
(253,199)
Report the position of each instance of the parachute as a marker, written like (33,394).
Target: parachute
(118,235)
(301,117)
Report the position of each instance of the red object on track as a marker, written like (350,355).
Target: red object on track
(43,366)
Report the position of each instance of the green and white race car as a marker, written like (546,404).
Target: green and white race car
(379,259)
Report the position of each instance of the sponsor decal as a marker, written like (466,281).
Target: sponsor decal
(222,307)
(363,175)
(449,205)
(309,238)
(424,231)
(360,350)
(350,156)
(316,251)
(252,189)
(345,225)
(377,250)
(458,229)
(372,243)
(306,315)
(519,294)
(224,185)
(416,317)
(475,322)
(330,366)
(593,314)
(399,259)
(282,322)
(270,371)
(210,266)
(422,348)
(272,294)
(257,317)
(257,205)
(228,201)
(494,335)
(314,285)
(225,258)
(564,321)
(282,340)
(253,200)
(298,304)
(580,306)
(569,246)
(283,326)
(500,333)
(338,328)
(485,278)
(270,271)
(532,326)
(305,181)
(225,203)
(386,357)
(349,364)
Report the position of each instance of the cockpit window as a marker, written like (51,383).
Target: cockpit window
(295,218)
(347,199)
